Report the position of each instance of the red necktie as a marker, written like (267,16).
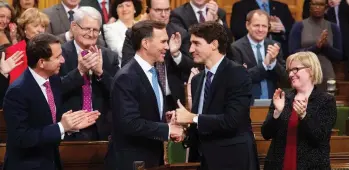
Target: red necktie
(86,95)
(50,100)
(105,12)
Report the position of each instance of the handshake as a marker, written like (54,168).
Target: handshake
(178,120)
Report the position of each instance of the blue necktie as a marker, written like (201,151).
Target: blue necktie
(264,84)
(155,84)
(207,86)
(265,7)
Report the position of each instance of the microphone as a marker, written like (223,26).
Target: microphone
(83,53)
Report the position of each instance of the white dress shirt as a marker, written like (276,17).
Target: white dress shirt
(196,10)
(106,4)
(146,68)
(114,34)
(41,81)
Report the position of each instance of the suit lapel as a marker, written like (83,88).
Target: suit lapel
(190,14)
(62,15)
(72,55)
(272,8)
(249,51)
(146,84)
(36,91)
(215,82)
(197,93)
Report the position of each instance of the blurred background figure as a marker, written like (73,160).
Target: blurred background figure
(21,5)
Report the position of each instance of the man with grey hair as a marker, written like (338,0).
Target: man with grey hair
(61,15)
(87,73)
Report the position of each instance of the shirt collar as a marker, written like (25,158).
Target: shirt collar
(144,64)
(68,9)
(196,9)
(100,1)
(40,80)
(254,43)
(213,70)
(77,47)
(260,2)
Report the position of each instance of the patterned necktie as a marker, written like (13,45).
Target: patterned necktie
(201,17)
(264,83)
(207,85)
(162,76)
(50,100)
(265,7)
(86,95)
(155,84)
(71,15)
(104,11)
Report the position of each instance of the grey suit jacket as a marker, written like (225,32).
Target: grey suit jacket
(59,22)
(243,54)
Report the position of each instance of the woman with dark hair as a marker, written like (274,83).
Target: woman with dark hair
(320,36)
(7,36)
(124,11)
(21,5)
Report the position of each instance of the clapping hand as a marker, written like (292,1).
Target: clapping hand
(279,102)
(300,106)
(6,66)
(323,39)
(175,44)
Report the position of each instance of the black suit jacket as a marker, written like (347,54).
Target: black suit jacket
(242,8)
(73,82)
(33,138)
(313,132)
(138,132)
(243,53)
(224,127)
(4,82)
(176,74)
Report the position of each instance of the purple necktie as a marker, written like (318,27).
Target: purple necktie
(207,85)
(50,100)
(201,17)
(86,95)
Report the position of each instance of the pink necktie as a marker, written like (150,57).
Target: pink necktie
(51,100)
(86,93)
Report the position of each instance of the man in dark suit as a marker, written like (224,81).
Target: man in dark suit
(261,56)
(281,21)
(138,103)
(87,79)
(178,62)
(35,123)
(220,135)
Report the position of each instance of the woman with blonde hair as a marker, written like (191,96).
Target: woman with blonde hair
(299,121)
(31,23)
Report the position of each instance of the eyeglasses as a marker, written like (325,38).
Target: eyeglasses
(295,70)
(160,11)
(88,30)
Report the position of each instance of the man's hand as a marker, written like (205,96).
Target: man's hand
(72,121)
(87,62)
(176,132)
(175,44)
(334,3)
(183,116)
(276,25)
(212,10)
(98,68)
(272,52)
(6,66)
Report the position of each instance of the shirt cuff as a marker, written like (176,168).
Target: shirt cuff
(61,129)
(67,36)
(220,21)
(272,65)
(169,132)
(178,59)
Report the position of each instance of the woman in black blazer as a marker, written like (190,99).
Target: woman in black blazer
(299,121)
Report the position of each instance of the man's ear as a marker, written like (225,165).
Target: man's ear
(214,45)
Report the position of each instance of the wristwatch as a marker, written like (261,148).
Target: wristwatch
(195,119)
